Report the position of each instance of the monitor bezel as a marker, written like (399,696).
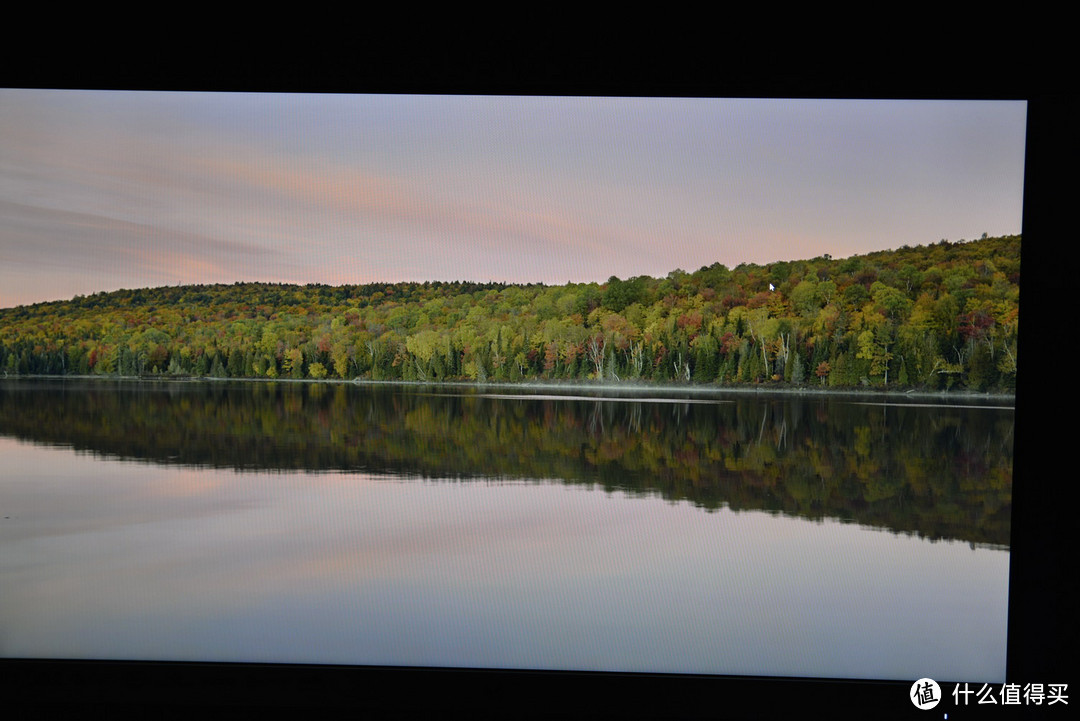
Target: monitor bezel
(1041,595)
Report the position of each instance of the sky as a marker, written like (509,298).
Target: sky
(101,190)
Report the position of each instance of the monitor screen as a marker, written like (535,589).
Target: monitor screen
(546,389)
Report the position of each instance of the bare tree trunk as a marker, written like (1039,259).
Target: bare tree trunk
(636,358)
(596,348)
(682,370)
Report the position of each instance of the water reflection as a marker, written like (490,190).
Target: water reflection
(110,559)
(935,471)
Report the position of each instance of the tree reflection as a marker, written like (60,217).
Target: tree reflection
(940,472)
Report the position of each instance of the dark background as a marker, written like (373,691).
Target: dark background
(495,53)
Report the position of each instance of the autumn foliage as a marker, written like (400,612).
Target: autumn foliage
(932,317)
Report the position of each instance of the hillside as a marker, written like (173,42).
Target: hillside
(932,317)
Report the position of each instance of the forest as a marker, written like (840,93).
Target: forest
(937,317)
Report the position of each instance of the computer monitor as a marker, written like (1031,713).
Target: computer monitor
(427,651)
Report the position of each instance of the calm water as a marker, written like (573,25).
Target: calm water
(283,522)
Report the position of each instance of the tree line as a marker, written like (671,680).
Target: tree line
(935,317)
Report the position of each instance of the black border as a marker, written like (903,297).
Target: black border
(1042,580)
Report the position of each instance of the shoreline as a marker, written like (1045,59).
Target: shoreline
(613,389)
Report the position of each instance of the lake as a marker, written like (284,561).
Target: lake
(493,527)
